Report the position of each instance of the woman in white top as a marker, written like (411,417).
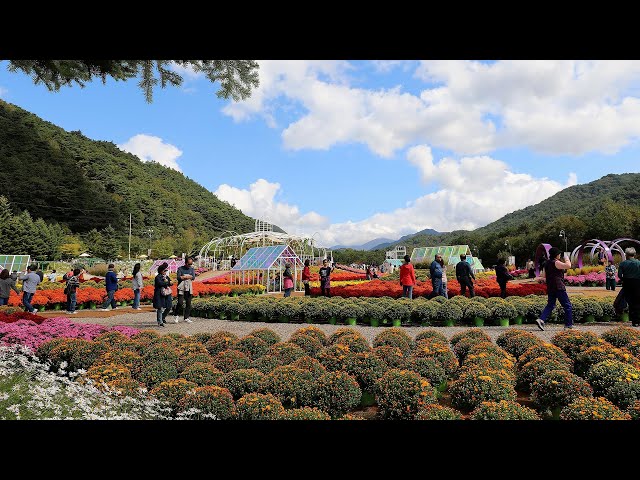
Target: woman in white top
(137,286)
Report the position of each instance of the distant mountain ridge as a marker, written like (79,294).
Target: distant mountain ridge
(365,246)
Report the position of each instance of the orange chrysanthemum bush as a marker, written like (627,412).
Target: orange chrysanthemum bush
(516,342)
(558,388)
(621,336)
(165,341)
(208,402)
(158,365)
(438,412)
(634,410)
(335,336)
(336,357)
(229,360)
(462,348)
(395,337)
(481,385)
(546,350)
(242,381)
(43,352)
(503,410)
(292,386)
(401,394)
(573,342)
(308,343)
(190,353)
(367,368)
(201,337)
(252,347)
(534,369)
(126,386)
(431,334)
(392,356)
(266,363)
(356,343)
(310,364)
(429,369)
(470,333)
(258,406)
(172,391)
(267,335)
(114,340)
(599,353)
(604,375)
(634,348)
(304,413)
(286,353)
(438,351)
(105,373)
(589,408)
(336,393)
(126,358)
(202,374)
(221,341)
(488,360)
(314,332)
(77,353)
(145,337)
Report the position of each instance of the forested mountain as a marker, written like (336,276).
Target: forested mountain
(606,208)
(84,184)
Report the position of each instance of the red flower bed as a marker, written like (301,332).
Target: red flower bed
(14,317)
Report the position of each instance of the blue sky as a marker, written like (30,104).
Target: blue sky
(364,149)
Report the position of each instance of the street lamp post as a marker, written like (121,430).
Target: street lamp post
(563,234)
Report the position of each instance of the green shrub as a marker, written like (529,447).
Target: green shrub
(395,337)
(242,381)
(449,311)
(440,352)
(201,337)
(308,343)
(286,352)
(430,369)
(266,363)
(473,388)
(356,343)
(573,342)
(172,391)
(426,312)
(314,332)
(292,386)
(392,356)
(341,332)
(229,360)
(252,347)
(336,357)
(366,368)
(337,393)
(304,413)
(534,369)
(438,412)
(470,333)
(431,334)
(462,348)
(221,341)
(558,388)
(634,411)
(310,364)
(209,401)
(258,406)
(587,408)
(202,374)
(546,350)
(621,336)
(624,393)
(76,352)
(602,376)
(516,342)
(401,394)
(158,364)
(605,351)
(503,410)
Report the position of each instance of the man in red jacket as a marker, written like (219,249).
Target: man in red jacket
(407,278)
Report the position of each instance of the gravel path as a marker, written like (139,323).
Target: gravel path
(147,320)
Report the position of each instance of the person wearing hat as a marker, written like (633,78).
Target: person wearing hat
(554,273)
(162,294)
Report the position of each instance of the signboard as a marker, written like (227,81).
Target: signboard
(15,263)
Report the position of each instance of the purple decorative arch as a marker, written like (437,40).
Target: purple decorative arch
(615,243)
(596,243)
(542,252)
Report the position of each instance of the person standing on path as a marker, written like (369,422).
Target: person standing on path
(629,273)
(287,279)
(185,275)
(502,277)
(443,287)
(162,294)
(531,269)
(306,278)
(325,279)
(52,276)
(111,285)
(30,281)
(407,278)
(435,270)
(73,282)
(610,271)
(6,285)
(464,275)
(137,284)
(554,273)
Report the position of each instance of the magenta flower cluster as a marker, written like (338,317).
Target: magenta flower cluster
(32,335)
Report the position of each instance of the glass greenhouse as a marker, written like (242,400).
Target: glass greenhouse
(265,266)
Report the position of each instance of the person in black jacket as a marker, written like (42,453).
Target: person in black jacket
(162,294)
(502,277)
(464,275)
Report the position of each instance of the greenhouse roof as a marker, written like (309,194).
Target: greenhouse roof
(263,258)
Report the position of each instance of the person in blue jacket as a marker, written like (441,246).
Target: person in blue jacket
(435,269)
(111,284)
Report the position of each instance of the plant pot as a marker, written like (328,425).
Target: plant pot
(503,322)
(283,319)
(92,305)
(57,306)
(40,309)
(375,322)
(80,306)
(351,321)
(519,320)
(396,323)
(308,320)
(368,399)
(449,322)
(234,317)
(478,321)
(222,316)
(333,320)
(606,318)
(624,317)
(590,319)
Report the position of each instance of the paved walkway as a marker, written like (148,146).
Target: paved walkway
(147,320)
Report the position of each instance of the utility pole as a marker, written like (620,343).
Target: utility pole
(129,236)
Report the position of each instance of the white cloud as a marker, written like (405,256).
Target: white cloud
(385,66)
(471,108)
(186,72)
(3,92)
(474,191)
(149,148)
(259,201)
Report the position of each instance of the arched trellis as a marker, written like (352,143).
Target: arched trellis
(607,246)
(542,253)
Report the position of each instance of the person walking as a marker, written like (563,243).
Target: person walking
(185,275)
(368,277)
(464,275)
(629,273)
(306,278)
(111,285)
(325,279)
(30,281)
(502,277)
(443,284)
(407,278)
(7,283)
(137,284)
(531,269)
(435,270)
(162,294)
(73,282)
(610,272)
(553,272)
(287,279)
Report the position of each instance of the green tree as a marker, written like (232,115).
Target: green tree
(162,248)
(236,77)
(186,242)
(92,240)
(109,246)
